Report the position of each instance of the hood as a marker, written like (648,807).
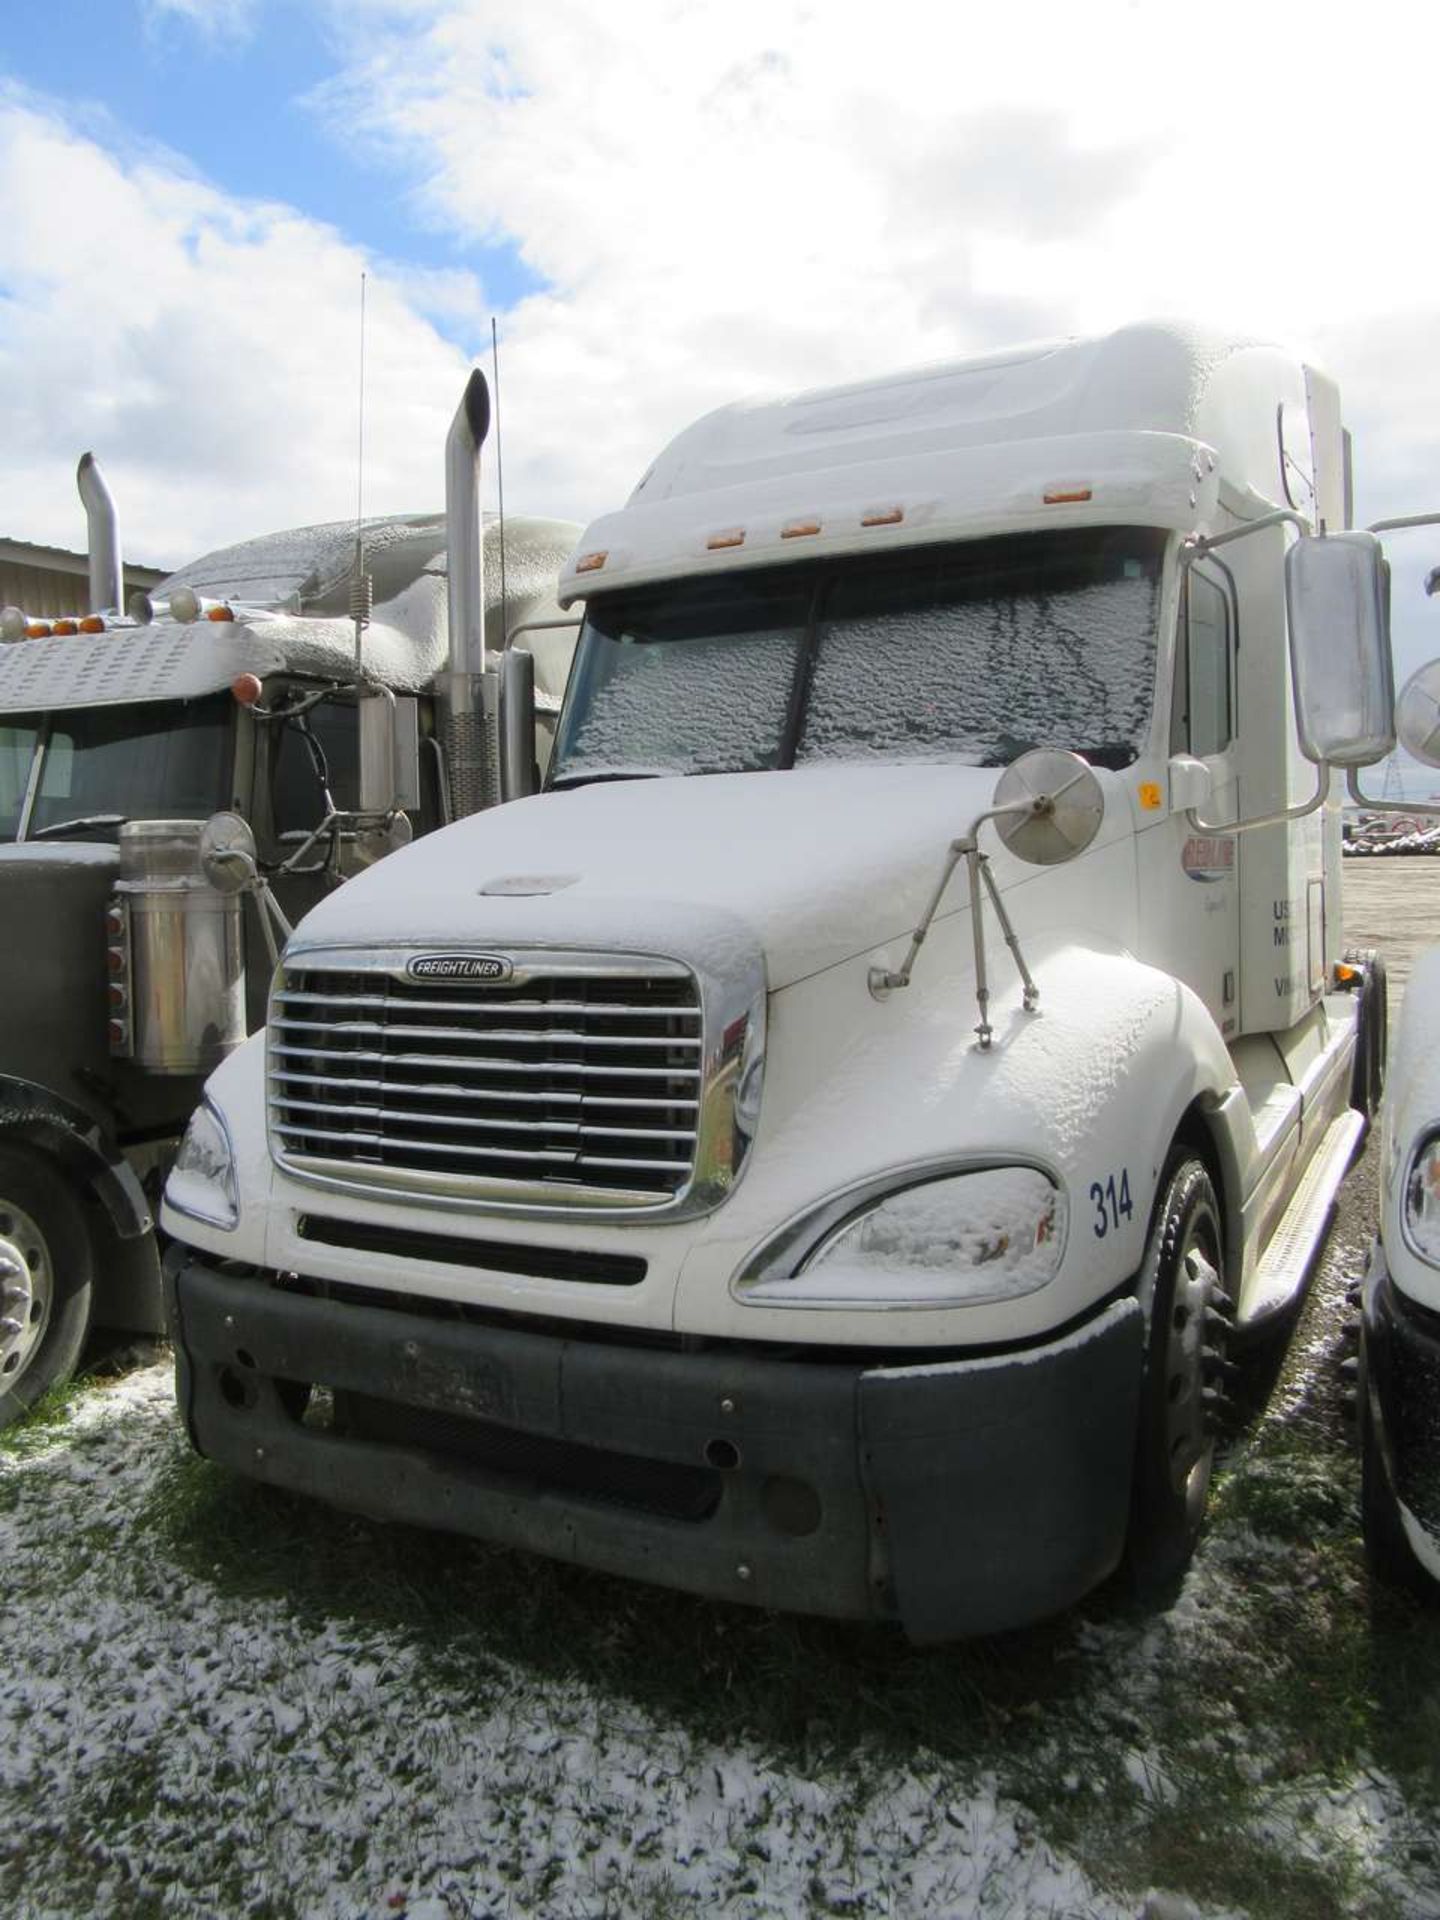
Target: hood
(813,865)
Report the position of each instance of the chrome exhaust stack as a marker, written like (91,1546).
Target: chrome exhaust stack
(103,540)
(468,690)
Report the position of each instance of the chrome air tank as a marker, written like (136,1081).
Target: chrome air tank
(178,963)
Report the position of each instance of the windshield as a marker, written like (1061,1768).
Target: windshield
(968,653)
(102,765)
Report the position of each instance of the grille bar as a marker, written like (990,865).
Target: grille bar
(409,1117)
(377,1057)
(518,1036)
(585,1079)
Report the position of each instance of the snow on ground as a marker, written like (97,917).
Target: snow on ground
(205,1754)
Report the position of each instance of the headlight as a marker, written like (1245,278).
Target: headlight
(958,1240)
(202,1180)
(1421,1205)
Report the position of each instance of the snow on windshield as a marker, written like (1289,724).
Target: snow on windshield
(968,653)
(981,681)
(710,705)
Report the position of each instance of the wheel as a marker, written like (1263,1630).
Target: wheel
(1183,1279)
(1367,1081)
(45,1280)
(1388,1552)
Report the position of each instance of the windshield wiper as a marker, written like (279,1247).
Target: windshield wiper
(564,781)
(80,824)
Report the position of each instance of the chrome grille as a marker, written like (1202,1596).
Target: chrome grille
(557,1084)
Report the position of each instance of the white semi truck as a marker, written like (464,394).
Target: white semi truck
(277,716)
(819,1151)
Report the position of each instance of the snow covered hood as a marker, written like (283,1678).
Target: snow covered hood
(814,865)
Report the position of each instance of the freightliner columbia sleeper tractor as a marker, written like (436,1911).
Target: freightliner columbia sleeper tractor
(140,797)
(818,1151)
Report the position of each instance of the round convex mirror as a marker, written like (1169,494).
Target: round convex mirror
(1063,801)
(373,843)
(1417,715)
(227,852)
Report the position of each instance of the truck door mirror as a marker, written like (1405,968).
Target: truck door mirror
(1337,598)
(389,752)
(1417,714)
(517,723)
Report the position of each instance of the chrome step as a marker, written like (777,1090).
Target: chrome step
(1284,1267)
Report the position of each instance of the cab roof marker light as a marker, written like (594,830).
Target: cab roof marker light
(592,562)
(799,529)
(92,623)
(38,630)
(219,613)
(731,537)
(66,626)
(883,517)
(1067,496)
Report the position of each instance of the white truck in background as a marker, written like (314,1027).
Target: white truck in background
(275,717)
(819,1151)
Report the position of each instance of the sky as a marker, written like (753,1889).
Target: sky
(665,205)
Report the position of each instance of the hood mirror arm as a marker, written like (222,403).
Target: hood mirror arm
(882,981)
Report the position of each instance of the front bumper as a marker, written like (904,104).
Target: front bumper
(1401,1373)
(957,1496)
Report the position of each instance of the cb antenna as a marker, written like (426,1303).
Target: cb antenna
(500,481)
(361,587)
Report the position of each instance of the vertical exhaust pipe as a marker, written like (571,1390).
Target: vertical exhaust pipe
(468,692)
(103,538)
(464,536)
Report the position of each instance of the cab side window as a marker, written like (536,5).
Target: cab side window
(1202,710)
(298,803)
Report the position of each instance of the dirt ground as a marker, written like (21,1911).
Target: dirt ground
(1394,905)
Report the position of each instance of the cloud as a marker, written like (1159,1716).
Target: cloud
(781,193)
(206,348)
(224,20)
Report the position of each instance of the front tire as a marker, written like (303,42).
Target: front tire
(46,1280)
(1184,1278)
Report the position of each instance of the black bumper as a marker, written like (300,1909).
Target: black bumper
(1401,1374)
(960,1497)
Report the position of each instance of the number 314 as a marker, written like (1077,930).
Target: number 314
(1111,1203)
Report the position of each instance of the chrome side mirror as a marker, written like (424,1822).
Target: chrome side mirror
(1048,806)
(227,852)
(1337,598)
(389,751)
(1417,714)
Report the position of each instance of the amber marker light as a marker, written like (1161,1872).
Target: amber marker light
(592,562)
(731,537)
(1066,496)
(246,689)
(38,630)
(92,623)
(65,627)
(218,614)
(1151,797)
(883,517)
(799,529)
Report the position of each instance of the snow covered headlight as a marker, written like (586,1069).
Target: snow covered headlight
(1420,1206)
(961,1239)
(202,1180)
